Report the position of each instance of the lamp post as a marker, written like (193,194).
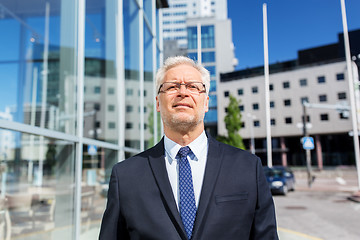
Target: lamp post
(351,90)
(308,153)
(267,93)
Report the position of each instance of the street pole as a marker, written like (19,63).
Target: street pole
(267,92)
(308,153)
(351,91)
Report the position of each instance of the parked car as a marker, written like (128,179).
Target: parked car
(281,179)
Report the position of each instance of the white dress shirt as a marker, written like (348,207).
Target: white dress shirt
(197,157)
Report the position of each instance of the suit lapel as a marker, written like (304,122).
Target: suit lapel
(212,170)
(157,163)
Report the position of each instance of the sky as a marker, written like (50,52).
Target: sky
(292,25)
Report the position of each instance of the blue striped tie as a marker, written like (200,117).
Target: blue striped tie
(187,204)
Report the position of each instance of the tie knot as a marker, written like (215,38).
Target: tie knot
(184,151)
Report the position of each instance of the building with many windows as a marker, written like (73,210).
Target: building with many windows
(174,17)
(201,31)
(77,96)
(210,43)
(318,76)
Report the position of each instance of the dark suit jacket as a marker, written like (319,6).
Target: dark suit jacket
(235,200)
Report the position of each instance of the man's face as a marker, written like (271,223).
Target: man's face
(182,110)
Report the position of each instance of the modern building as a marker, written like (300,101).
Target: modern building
(174,18)
(210,43)
(318,76)
(77,96)
(201,30)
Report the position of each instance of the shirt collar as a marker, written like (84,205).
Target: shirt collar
(197,146)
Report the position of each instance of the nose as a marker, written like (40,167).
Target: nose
(183,90)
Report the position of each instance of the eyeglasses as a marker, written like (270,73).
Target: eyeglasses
(174,87)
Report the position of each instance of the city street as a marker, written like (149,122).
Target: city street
(317,215)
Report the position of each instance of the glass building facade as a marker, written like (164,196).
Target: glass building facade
(77,96)
(203,49)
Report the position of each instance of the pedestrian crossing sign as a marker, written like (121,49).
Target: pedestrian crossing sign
(92,150)
(308,143)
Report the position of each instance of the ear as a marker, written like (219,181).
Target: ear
(207,103)
(157,104)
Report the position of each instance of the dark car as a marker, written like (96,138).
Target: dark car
(281,179)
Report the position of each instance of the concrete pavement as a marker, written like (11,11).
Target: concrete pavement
(337,179)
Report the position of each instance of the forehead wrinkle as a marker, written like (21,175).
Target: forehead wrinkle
(185,76)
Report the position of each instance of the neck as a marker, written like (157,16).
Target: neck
(186,137)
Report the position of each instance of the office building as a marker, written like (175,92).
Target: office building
(210,43)
(174,18)
(77,96)
(318,76)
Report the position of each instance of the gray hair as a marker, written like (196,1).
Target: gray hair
(172,62)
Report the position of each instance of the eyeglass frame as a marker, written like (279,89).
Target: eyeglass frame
(179,86)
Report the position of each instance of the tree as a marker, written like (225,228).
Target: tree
(233,124)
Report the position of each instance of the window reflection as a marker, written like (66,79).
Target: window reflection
(36,75)
(192,37)
(148,86)
(132,77)
(97,165)
(37,186)
(207,36)
(100,121)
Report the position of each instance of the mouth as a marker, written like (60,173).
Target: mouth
(182,105)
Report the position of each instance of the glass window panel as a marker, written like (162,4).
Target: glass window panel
(340,76)
(287,102)
(321,79)
(192,37)
(212,101)
(37,185)
(157,25)
(324,117)
(271,87)
(212,86)
(193,56)
(97,166)
(323,98)
(38,63)
(148,57)
(286,84)
(132,67)
(148,10)
(342,95)
(212,70)
(207,36)
(211,116)
(303,82)
(207,57)
(100,71)
(149,97)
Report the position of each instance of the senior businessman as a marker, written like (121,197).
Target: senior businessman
(188,186)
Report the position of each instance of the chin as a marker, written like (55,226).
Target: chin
(183,120)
